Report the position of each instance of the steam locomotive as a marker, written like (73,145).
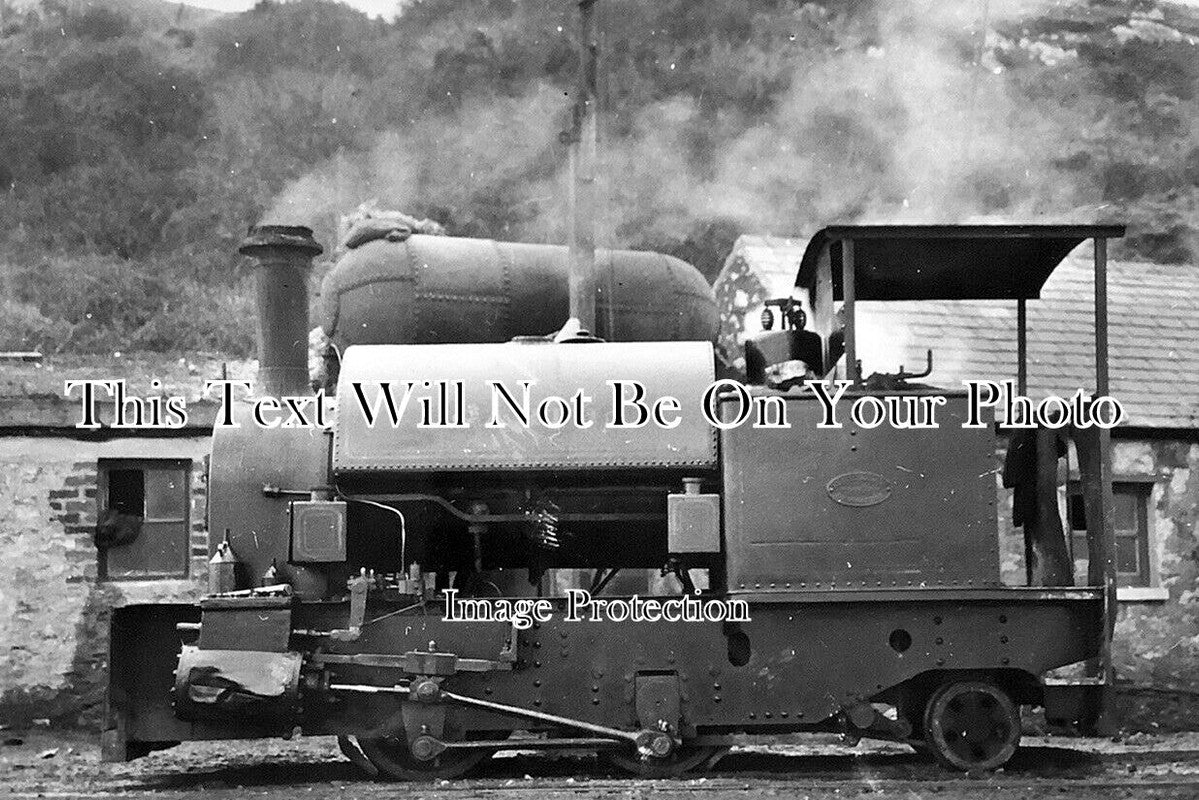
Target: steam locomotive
(847,579)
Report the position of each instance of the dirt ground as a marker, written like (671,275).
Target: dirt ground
(44,764)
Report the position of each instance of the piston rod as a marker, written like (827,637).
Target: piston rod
(648,742)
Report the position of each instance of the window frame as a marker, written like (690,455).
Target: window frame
(183,465)
(1144,488)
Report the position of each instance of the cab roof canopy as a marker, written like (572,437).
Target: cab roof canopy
(946,262)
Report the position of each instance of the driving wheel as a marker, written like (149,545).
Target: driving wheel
(683,759)
(972,725)
(393,758)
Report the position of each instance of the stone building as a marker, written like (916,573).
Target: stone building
(56,479)
(1154,335)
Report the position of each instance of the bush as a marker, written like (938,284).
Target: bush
(100,304)
(23,327)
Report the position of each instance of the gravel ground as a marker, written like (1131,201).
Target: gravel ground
(42,763)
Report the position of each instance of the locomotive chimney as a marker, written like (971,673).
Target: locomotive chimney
(283,255)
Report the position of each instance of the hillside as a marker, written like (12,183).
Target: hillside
(139,139)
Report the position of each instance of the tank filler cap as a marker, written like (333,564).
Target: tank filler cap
(573,332)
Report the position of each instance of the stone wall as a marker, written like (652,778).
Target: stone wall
(1157,631)
(53,612)
(1158,643)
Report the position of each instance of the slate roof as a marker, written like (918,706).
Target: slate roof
(1153,332)
(775,260)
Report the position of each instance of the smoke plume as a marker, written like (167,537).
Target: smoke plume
(907,119)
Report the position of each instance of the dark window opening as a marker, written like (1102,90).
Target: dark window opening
(127,492)
(1130,517)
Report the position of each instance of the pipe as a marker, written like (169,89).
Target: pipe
(583,135)
(282,258)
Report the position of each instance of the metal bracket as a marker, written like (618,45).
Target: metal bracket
(358,587)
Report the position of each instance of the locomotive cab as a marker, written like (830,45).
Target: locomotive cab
(816,577)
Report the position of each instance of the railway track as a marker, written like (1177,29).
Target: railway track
(1093,771)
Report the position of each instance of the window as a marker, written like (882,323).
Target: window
(145,504)
(1130,504)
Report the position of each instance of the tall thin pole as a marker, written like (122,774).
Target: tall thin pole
(1101,372)
(583,167)
(848,293)
(1021,346)
(1107,549)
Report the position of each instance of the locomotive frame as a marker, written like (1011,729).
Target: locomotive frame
(868,558)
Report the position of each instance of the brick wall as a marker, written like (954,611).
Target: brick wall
(53,612)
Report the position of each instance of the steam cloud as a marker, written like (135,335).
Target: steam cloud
(909,122)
